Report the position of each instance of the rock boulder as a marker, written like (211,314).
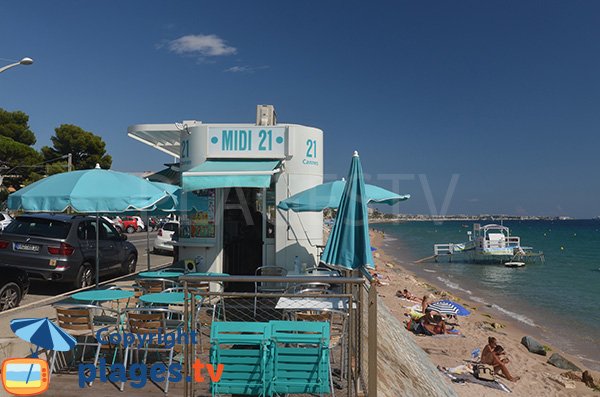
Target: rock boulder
(560,362)
(533,346)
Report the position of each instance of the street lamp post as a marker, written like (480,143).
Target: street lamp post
(24,61)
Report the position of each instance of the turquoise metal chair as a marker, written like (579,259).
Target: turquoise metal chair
(244,350)
(301,359)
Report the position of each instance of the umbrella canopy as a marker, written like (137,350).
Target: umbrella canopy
(42,333)
(177,201)
(349,244)
(449,307)
(187,201)
(89,191)
(329,195)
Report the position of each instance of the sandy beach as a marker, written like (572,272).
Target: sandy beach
(537,377)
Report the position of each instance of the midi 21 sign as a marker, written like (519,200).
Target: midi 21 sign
(252,142)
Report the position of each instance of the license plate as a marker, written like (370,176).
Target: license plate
(27,247)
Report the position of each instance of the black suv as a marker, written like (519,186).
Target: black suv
(14,285)
(62,247)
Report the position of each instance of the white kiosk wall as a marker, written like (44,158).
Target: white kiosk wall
(301,153)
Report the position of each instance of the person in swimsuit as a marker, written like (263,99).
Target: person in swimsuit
(490,357)
(431,324)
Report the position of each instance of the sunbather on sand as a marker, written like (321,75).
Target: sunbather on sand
(432,324)
(406,295)
(491,357)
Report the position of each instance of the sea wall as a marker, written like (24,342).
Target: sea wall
(403,368)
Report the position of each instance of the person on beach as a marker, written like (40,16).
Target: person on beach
(499,352)
(431,324)
(424,304)
(406,295)
(491,356)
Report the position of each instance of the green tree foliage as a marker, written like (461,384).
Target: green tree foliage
(16,153)
(14,125)
(87,149)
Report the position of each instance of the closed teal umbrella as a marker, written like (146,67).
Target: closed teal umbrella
(329,195)
(92,191)
(349,244)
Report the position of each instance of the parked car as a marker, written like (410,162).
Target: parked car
(14,285)
(130,224)
(140,223)
(5,220)
(163,241)
(115,221)
(62,248)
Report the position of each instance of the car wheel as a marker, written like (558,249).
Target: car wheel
(129,265)
(130,229)
(85,276)
(10,296)
(140,229)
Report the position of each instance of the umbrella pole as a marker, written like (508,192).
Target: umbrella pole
(97,251)
(148,239)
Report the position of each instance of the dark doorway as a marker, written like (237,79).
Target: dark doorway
(242,234)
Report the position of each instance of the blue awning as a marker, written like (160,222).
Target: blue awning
(230,173)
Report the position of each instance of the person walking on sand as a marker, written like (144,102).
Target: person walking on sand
(490,356)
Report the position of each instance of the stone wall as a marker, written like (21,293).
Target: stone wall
(403,368)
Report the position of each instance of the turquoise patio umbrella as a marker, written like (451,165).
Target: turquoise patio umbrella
(178,201)
(329,195)
(93,191)
(88,191)
(349,244)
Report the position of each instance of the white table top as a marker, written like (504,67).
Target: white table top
(313,303)
(315,273)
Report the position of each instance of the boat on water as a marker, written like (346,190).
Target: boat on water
(514,264)
(489,243)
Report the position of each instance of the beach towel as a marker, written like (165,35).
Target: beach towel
(469,378)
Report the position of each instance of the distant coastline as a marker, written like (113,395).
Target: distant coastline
(384,218)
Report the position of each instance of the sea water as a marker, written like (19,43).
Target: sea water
(557,300)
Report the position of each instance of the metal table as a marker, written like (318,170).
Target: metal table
(313,303)
(160,274)
(102,295)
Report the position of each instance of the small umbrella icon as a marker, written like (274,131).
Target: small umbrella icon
(42,333)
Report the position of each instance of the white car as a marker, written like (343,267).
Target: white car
(163,241)
(115,221)
(5,219)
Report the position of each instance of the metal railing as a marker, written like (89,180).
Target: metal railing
(349,304)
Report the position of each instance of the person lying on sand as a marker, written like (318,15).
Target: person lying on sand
(490,357)
(406,295)
(431,324)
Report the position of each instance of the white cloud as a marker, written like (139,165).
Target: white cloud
(245,69)
(202,45)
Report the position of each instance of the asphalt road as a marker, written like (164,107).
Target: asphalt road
(43,289)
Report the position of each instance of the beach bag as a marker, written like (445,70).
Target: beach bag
(483,372)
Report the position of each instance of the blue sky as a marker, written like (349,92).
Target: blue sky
(505,94)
